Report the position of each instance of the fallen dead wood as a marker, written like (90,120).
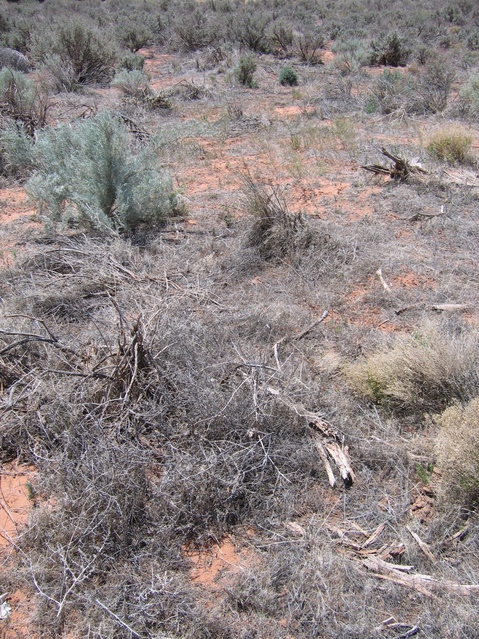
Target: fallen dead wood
(449,307)
(422,545)
(326,439)
(330,446)
(393,624)
(425,584)
(302,334)
(399,170)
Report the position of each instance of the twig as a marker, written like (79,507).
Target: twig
(26,341)
(422,545)
(117,618)
(313,325)
(379,273)
(409,633)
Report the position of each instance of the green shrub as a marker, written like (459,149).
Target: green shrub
(420,372)
(308,46)
(20,100)
(288,77)
(457,455)
(244,72)
(76,55)
(132,62)
(450,144)
(389,51)
(135,84)
(469,95)
(88,174)
(17,151)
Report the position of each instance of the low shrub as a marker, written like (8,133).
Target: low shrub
(88,174)
(421,372)
(17,151)
(134,84)
(76,55)
(288,77)
(457,454)
(389,93)
(389,51)
(308,46)
(133,35)
(450,144)
(193,31)
(15,60)
(350,56)
(20,100)
(245,71)
(250,29)
(469,95)
(132,62)
(434,86)
(281,37)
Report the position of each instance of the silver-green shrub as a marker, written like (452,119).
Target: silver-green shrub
(89,175)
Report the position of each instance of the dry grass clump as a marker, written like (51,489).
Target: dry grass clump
(451,144)
(457,454)
(276,232)
(421,372)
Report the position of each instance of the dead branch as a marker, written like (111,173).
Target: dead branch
(425,584)
(422,545)
(386,286)
(399,170)
(324,458)
(449,307)
(117,619)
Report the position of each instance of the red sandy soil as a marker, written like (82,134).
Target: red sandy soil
(218,563)
(15,507)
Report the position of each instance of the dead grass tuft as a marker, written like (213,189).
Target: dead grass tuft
(421,372)
(451,144)
(276,232)
(457,453)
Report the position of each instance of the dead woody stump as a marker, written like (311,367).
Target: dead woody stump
(399,170)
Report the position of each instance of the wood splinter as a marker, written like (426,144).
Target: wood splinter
(329,446)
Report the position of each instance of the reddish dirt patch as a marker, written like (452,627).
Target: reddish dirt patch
(15,504)
(14,205)
(412,280)
(18,625)
(218,563)
(294,111)
(15,507)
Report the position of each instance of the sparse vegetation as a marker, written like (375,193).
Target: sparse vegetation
(451,144)
(208,306)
